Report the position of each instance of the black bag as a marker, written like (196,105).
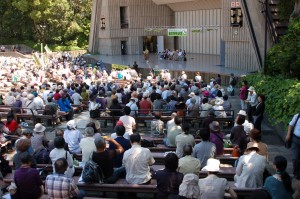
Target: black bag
(42,156)
(95,113)
(147,143)
(43,173)
(49,110)
(90,173)
(4,166)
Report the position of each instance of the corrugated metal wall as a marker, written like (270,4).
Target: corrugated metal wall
(205,42)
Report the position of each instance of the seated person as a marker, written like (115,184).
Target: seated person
(255,137)
(213,186)
(173,132)
(125,143)
(60,186)
(137,162)
(250,169)
(188,164)
(65,106)
(216,137)
(73,136)
(22,146)
(168,179)
(87,144)
(205,149)
(28,179)
(219,110)
(12,125)
(157,126)
(189,187)
(183,139)
(104,158)
(38,140)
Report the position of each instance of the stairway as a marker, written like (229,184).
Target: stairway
(276,26)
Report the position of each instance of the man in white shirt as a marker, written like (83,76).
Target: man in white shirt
(87,144)
(39,102)
(128,121)
(137,162)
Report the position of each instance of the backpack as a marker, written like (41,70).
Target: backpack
(90,173)
(42,156)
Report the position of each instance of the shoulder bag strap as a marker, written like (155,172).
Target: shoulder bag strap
(295,123)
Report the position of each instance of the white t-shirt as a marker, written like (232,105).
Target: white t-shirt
(128,122)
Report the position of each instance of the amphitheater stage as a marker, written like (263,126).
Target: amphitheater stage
(195,62)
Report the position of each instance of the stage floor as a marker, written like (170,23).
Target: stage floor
(195,62)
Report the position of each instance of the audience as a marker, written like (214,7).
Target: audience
(188,164)
(183,139)
(173,132)
(87,144)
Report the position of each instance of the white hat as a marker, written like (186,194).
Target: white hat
(212,165)
(248,127)
(251,88)
(219,101)
(242,112)
(30,96)
(192,94)
(189,187)
(39,128)
(71,124)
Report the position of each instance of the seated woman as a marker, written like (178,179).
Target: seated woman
(279,185)
(65,106)
(255,137)
(22,146)
(169,179)
(12,124)
(116,108)
(28,179)
(216,137)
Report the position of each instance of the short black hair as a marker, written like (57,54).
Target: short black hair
(178,120)
(120,130)
(225,97)
(59,142)
(240,119)
(187,149)
(61,165)
(185,128)
(171,161)
(204,134)
(127,110)
(25,157)
(205,100)
(135,138)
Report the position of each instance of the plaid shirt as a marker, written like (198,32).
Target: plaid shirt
(59,186)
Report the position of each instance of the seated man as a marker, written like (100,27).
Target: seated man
(125,143)
(59,186)
(104,158)
(173,132)
(183,139)
(205,149)
(250,168)
(188,164)
(137,161)
(157,126)
(87,144)
(168,179)
(213,186)
(128,121)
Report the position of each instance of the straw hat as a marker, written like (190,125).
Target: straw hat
(242,112)
(252,145)
(218,102)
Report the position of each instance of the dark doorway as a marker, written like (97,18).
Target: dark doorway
(150,42)
(124,47)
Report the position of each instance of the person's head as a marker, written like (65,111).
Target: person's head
(280,164)
(61,165)
(93,125)
(205,100)
(261,98)
(158,96)
(244,82)
(157,115)
(59,142)
(120,130)
(26,158)
(115,101)
(225,97)
(27,133)
(59,132)
(71,125)
(171,162)
(135,138)
(185,128)
(127,110)
(178,120)
(89,132)
(204,135)
(100,143)
(23,145)
(211,112)
(187,149)
(240,119)
(255,134)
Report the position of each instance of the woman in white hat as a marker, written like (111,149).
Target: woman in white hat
(30,104)
(212,186)
(72,137)
(219,110)
(39,141)
(189,188)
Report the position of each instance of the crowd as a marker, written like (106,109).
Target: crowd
(66,83)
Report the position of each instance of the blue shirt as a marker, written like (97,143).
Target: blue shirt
(64,106)
(125,144)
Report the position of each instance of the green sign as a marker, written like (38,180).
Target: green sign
(177,32)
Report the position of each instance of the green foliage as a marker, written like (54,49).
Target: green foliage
(282,94)
(58,22)
(286,8)
(284,58)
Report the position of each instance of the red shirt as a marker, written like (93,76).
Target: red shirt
(145,107)
(12,126)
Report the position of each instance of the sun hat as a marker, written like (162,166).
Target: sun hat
(189,187)
(219,101)
(192,94)
(214,126)
(39,128)
(205,93)
(71,124)
(30,96)
(252,145)
(251,88)
(212,165)
(242,112)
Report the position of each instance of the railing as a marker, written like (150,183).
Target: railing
(252,33)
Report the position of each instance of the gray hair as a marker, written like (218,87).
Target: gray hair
(99,142)
(89,132)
